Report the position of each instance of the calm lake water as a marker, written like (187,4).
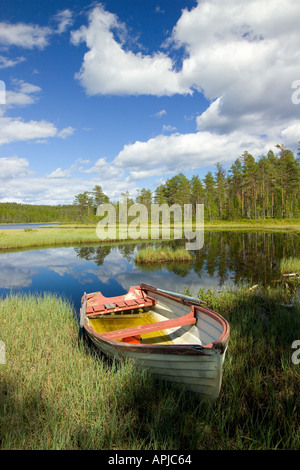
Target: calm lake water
(23,226)
(226,259)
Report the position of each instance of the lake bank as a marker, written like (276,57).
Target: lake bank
(227,259)
(49,384)
(81,234)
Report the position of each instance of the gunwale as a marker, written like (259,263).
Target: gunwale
(178,349)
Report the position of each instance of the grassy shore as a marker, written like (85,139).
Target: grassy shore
(165,255)
(46,237)
(57,393)
(82,234)
(290,266)
(264,225)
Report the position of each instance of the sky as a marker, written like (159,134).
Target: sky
(126,94)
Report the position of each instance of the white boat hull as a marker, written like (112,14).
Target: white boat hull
(200,374)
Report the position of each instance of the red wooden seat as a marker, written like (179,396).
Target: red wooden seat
(188,319)
(99,306)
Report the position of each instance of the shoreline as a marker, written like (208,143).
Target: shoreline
(67,235)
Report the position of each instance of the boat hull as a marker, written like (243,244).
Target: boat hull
(200,373)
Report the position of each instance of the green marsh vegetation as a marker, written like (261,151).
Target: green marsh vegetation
(56,392)
(151,255)
(290,265)
(81,233)
(290,275)
(20,238)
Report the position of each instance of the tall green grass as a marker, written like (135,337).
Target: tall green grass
(290,265)
(46,237)
(152,255)
(57,393)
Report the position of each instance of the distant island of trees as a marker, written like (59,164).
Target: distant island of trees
(268,188)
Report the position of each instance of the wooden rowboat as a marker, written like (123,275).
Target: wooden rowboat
(172,335)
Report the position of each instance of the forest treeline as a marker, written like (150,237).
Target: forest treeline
(15,213)
(266,188)
(250,189)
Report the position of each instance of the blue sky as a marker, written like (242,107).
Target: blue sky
(128,94)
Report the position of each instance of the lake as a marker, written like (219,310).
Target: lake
(226,259)
(24,226)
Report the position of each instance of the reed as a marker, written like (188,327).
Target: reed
(46,237)
(57,393)
(57,236)
(290,265)
(152,255)
(82,233)
(292,223)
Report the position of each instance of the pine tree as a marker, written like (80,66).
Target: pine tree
(197,190)
(236,188)
(210,206)
(159,195)
(289,178)
(99,196)
(221,190)
(250,173)
(144,197)
(83,201)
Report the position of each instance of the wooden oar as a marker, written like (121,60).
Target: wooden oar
(180,296)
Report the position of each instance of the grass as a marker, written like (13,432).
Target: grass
(290,265)
(18,238)
(263,225)
(80,234)
(151,255)
(55,236)
(57,393)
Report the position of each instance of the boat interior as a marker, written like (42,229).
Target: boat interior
(165,322)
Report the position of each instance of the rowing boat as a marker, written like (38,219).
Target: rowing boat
(174,336)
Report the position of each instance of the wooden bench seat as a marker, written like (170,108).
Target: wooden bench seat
(136,331)
(95,307)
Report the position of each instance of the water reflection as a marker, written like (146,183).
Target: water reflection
(25,226)
(97,254)
(226,259)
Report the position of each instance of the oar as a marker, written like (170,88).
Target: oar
(180,296)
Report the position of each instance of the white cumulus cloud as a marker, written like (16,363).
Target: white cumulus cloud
(180,152)
(16,129)
(19,183)
(23,94)
(242,56)
(12,167)
(30,36)
(108,68)
(24,35)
